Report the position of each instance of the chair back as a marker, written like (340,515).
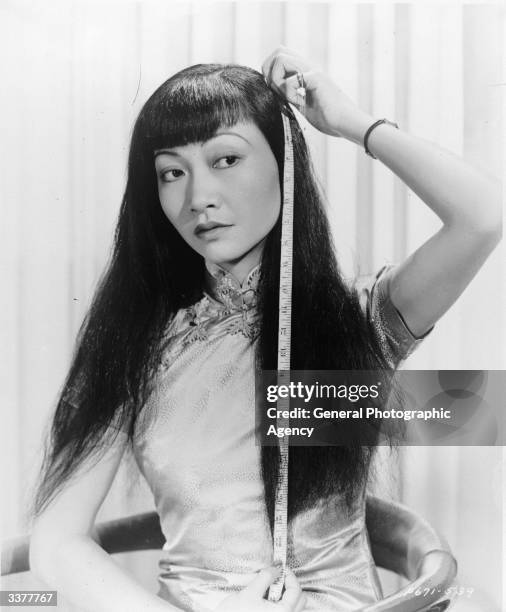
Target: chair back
(401,541)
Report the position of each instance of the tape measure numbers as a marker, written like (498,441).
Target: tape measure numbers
(284,346)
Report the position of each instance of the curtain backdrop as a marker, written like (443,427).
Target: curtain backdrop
(75,75)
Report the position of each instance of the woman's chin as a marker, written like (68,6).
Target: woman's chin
(221,256)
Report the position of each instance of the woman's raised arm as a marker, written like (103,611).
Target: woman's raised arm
(468,202)
(64,555)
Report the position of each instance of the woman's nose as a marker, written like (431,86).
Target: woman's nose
(204,192)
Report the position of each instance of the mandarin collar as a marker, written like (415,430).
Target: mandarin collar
(224,287)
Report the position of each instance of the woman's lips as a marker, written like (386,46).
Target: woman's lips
(213,232)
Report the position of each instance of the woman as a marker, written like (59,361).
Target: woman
(186,310)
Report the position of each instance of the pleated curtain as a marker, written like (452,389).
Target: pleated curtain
(75,75)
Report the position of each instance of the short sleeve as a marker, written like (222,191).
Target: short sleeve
(396,339)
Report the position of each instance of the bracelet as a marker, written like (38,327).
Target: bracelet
(368,133)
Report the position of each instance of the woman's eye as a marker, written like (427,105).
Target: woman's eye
(226,162)
(171,175)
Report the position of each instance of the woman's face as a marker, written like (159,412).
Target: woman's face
(232,180)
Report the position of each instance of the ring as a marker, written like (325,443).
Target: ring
(300,79)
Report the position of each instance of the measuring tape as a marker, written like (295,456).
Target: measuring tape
(284,341)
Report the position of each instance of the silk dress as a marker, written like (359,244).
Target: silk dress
(196,448)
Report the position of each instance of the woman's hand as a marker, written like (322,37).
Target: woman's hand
(251,598)
(326,107)
(425,285)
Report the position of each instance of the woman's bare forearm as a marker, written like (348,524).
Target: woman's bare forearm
(84,574)
(468,202)
(458,193)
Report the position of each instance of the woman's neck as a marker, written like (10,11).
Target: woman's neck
(241,268)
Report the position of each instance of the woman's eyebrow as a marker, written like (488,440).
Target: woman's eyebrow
(165,152)
(224,133)
(232,133)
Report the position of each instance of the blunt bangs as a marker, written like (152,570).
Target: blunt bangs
(193,104)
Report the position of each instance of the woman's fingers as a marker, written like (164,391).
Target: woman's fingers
(281,64)
(269,63)
(303,84)
(295,88)
(293,599)
(262,581)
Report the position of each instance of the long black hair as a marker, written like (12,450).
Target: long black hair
(153,273)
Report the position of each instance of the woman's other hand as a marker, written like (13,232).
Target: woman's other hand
(251,598)
(325,106)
